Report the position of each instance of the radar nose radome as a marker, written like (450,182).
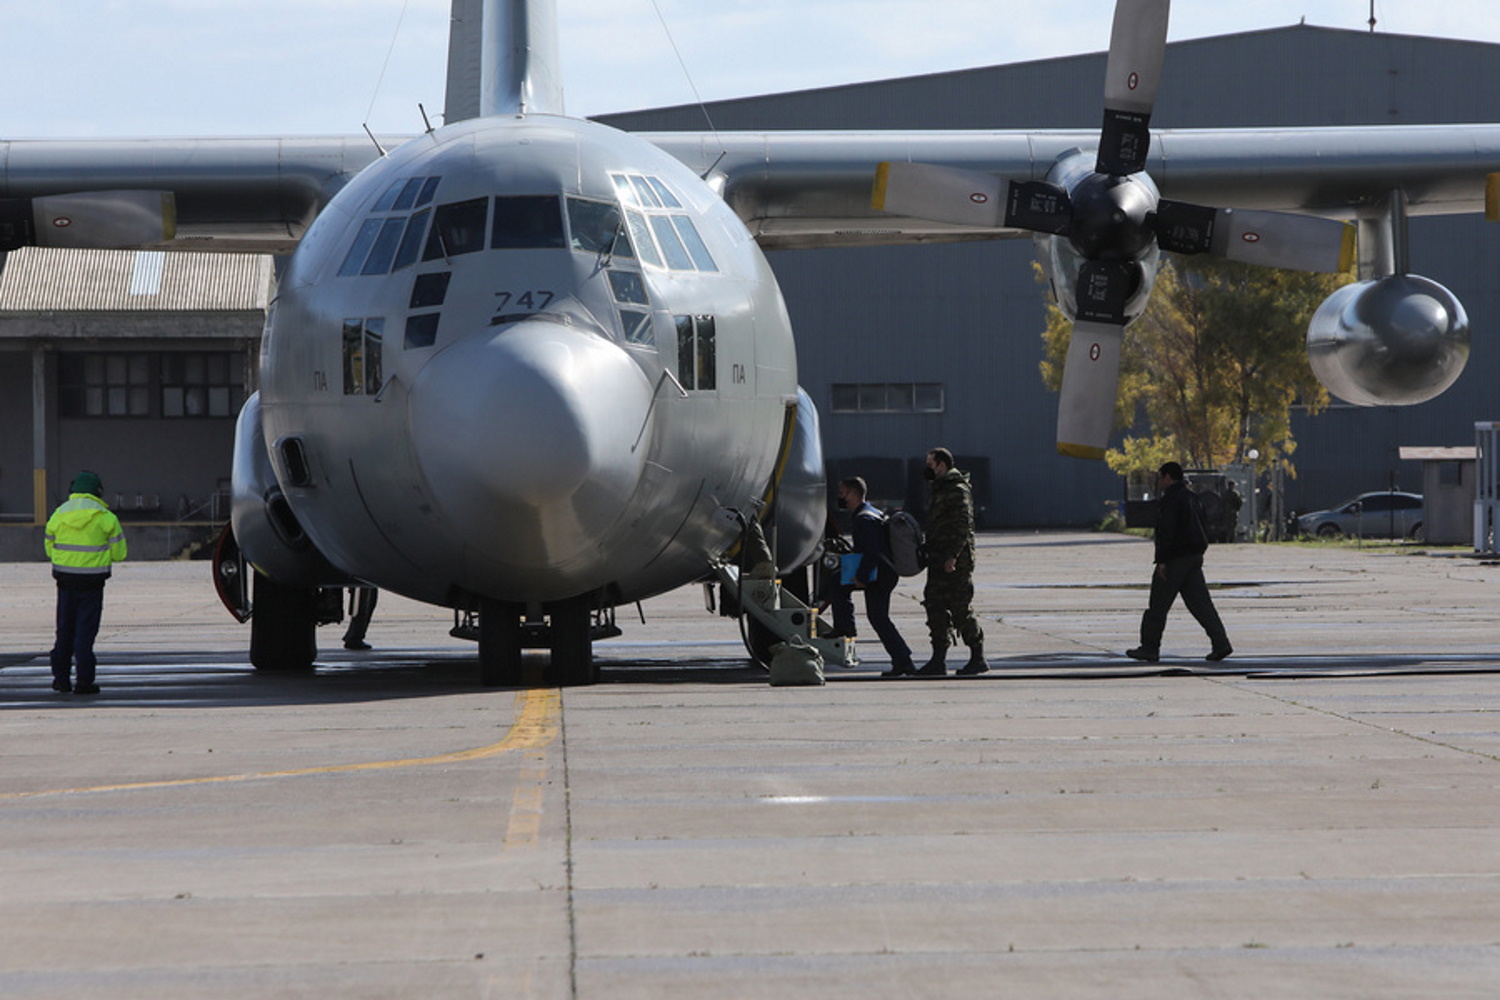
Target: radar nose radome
(537,431)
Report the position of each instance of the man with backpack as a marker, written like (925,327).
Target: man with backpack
(1181,540)
(875,574)
(949,594)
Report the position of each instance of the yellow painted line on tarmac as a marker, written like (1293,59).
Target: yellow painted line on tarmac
(536,726)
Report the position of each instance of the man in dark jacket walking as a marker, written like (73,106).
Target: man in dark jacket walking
(1181,540)
(875,574)
(949,594)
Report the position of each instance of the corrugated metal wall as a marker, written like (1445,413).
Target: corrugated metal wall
(970,316)
(36,279)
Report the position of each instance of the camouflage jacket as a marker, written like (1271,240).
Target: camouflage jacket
(950,521)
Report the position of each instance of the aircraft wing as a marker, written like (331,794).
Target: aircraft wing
(813,189)
(236,195)
(793,190)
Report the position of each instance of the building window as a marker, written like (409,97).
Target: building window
(201,384)
(104,385)
(888,397)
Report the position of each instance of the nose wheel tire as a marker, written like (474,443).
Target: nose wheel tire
(499,644)
(572,644)
(283,627)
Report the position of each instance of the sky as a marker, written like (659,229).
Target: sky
(130,68)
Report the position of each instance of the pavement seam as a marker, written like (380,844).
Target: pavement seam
(1352,720)
(536,726)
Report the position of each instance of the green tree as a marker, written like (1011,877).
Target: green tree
(1215,364)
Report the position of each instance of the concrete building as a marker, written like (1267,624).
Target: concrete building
(957,328)
(133,365)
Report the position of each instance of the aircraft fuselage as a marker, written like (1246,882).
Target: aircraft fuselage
(525,359)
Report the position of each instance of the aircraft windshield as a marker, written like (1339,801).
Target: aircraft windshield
(595,227)
(527,223)
(457,229)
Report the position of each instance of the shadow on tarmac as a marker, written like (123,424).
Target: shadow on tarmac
(180,680)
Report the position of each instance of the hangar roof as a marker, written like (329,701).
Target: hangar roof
(39,280)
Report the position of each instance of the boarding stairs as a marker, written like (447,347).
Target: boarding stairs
(780,613)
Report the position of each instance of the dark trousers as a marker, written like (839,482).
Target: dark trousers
(878,610)
(361,610)
(949,600)
(842,605)
(78,614)
(1183,575)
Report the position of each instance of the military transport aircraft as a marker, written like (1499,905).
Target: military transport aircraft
(531,368)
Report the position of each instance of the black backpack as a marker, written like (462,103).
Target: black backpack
(903,534)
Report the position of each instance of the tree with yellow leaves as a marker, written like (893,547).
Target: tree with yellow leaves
(1214,365)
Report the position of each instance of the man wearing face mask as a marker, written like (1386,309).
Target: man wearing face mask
(949,595)
(875,574)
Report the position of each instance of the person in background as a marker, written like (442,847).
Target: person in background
(361,609)
(949,594)
(1181,540)
(875,574)
(83,540)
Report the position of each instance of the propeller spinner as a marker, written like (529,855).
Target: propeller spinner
(1114,219)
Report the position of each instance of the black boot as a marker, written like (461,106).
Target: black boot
(937,666)
(976,664)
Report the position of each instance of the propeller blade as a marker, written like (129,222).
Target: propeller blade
(1182,227)
(1269,239)
(939,194)
(1091,374)
(1137,47)
(1105,288)
(1039,206)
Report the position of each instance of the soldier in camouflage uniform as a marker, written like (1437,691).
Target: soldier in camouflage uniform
(949,595)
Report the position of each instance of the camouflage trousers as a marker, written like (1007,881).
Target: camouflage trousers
(949,600)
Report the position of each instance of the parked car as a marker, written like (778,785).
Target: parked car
(1370,515)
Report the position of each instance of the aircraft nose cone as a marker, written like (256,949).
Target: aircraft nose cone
(531,439)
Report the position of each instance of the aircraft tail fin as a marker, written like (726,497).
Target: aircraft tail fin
(503,59)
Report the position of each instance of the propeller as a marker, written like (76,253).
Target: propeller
(1113,217)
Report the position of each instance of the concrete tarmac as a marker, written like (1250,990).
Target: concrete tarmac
(1314,817)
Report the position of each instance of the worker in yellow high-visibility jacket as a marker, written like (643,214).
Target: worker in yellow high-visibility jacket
(84,539)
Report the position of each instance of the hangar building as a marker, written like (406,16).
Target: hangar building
(904,348)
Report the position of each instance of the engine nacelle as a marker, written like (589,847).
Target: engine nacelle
(107,220)
(1393,341)
(267,530)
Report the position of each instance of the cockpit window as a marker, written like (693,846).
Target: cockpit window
(388,199)
(384,250)
(411,242)
(408,196)
(596,228)
(645,192)
(671,244)
(664,193)
(388,240)
(527,223)
(457,228)
(363,240)
(624,189)
(696,248)
(647,201)
(640,233)
(628,287)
